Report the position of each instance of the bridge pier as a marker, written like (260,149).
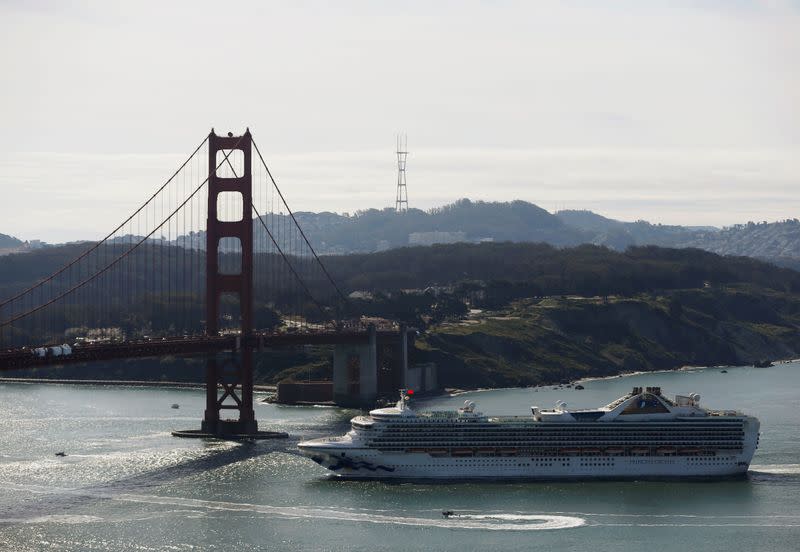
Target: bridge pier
(355,373)
(234,377)
(363,372)
(229,387)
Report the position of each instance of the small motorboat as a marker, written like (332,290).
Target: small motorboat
(447,513)
(61,453)
(175,405)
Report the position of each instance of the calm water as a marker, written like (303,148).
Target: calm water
(126,484)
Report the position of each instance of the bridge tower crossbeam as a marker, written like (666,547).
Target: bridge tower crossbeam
(234,376)
(229,377)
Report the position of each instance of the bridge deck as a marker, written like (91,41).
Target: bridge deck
(15,359)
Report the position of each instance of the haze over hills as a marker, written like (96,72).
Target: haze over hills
(9,241)
(777,242)
(519,221)
(9,244)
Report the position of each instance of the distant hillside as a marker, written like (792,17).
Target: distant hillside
(9,242)
(621,235)
(378,230)
(519,221)
(372,230)
(516,221)
(764,240)
(777,242)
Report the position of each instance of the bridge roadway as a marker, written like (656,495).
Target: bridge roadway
(15,359)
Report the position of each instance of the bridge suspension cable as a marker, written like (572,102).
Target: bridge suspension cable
(291,214)
(283,255)
(108,236)
(138,281)
(119,258)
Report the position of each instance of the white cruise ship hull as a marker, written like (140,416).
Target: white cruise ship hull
(370,464)
(641,435)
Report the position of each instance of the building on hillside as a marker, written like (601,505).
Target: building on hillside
(363,295)
(430,238)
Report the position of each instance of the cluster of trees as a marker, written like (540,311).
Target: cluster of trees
(488,275)
(545,270)
(157,290)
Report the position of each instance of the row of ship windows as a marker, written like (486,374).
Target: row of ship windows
(560,431)
(583,454)
(552,435)
(542,442)
(583,464)
(592,431)
(530,421)
(528,465)
(604,440)
(560,437)
(575,425)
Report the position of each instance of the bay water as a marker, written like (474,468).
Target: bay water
(127,484)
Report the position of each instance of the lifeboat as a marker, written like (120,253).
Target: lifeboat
(462,452)
(485,450)
(640,450)
(615,450)
(591,451)
(570,451)
(666,450)
(507,451)
(437,452)
(690,451)
(416,450)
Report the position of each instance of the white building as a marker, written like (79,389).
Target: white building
(430,238)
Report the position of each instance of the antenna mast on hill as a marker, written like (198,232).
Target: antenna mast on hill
(401,203)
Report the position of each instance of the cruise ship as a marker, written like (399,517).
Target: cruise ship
(641,435)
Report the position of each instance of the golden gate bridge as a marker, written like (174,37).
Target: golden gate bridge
(213,261)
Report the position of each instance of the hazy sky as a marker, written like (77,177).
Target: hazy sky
(676,112)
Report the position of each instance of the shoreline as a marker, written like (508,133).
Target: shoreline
(455,392)
(449,391)
(128,383)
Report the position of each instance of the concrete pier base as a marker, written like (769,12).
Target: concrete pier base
(355,373)
(257,435)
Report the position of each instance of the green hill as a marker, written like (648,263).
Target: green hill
(556,340)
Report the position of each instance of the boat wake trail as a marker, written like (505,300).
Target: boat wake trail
(486,522)
(463,520)
(777,469)
(490,522)
(775,474)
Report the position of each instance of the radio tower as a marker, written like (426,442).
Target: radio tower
(401,203)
